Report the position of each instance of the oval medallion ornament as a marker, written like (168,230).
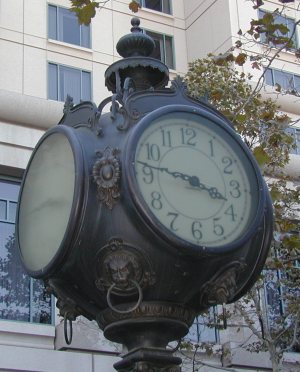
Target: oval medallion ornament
(106,173)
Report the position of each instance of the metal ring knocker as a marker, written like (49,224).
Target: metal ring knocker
(130,309)
(67,339)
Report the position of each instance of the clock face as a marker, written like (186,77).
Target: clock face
(194,177)
(48,200)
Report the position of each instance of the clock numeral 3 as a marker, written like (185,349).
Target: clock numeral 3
(197,233)
(156,200)
(235,192)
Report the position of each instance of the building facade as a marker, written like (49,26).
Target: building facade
(44,56)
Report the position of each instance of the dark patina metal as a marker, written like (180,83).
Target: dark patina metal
(113,267)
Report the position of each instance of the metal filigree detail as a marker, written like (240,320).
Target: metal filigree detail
(122,265)
(179,84)
(222,287)
(157,310)
(106,174)
(69,104)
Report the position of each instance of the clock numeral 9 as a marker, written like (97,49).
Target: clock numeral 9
(153,152)
(156,200)
(148,173)
(197,233)
(187,136)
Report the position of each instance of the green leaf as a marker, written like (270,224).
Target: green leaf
(261,156)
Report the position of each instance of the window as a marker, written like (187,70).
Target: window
(158,5)
(163,48)
(21,297)
(280,19)
(203,328)
(63,81)
(285,80)
(63,26)
(295,132)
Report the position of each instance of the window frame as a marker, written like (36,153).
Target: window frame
(149,32)
(143,2)
(295,133)
(262,12)
(274,82)
(58,67)
(57,28)
(17,181)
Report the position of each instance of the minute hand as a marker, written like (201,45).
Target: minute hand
(194,181)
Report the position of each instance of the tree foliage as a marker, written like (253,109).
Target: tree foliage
(275,324)
(86,9)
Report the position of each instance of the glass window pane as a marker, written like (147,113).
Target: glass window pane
(167,6)
(86,86)
(154,4)
(52,22)
(70,83)
(52,81)
(85,36)
(21,298)
(3,210)
(169,52)
(297,83)
(284,79)
(69,28)
(158,49)
(40,303)
(12,210)
(269,77)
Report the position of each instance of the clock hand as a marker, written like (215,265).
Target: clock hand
(193,180)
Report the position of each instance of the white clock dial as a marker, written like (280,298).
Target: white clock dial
(196,179)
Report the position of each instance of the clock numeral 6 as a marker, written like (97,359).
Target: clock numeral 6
(197,233)
(156,200)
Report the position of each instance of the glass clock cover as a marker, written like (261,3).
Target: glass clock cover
(46,201)
(195,178)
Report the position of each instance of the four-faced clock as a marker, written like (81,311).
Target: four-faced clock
(193,180)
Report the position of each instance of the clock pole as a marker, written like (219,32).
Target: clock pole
(165,214)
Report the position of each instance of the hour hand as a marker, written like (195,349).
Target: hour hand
(194,181)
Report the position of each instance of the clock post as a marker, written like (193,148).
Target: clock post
(163,211)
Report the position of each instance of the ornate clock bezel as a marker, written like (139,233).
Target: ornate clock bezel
(144,213)
(76,209)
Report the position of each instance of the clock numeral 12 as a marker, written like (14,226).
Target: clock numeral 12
(187,136)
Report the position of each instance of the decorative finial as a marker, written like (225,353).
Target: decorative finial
(135,22)
(135,44)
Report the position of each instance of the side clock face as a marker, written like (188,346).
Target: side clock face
(194,181)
